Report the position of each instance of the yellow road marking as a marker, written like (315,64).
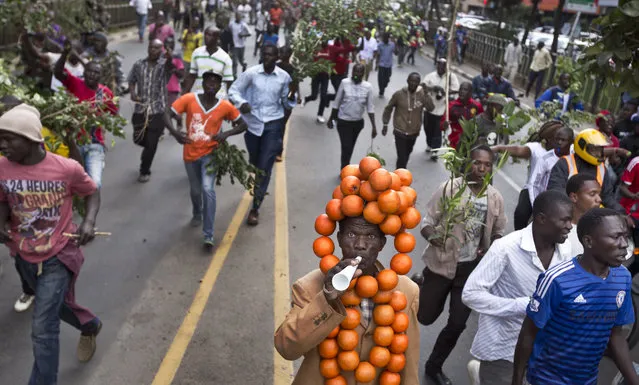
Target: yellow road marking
(173,358)
(282,369)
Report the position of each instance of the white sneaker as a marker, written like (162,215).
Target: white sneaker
(23,303)
(473,372)
(320,119)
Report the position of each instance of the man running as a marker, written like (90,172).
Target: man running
(384,65)
(240,32)
(262,93)
(578,310)
(585,194)
(209,57)
(499,288)
(464,107)
(36,213)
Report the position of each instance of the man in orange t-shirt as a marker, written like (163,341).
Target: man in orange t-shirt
(204,116)
(276,16)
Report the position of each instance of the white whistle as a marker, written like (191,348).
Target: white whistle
(342,280)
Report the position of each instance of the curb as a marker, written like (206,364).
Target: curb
(120,36)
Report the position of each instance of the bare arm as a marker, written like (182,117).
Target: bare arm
(4,218)
(188,83)
(58,69)
(620,354)
(516,151)
(625,191)
(523,350)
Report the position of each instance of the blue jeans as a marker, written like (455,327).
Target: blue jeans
(93,156)
(141,25)
(262,152)
(202,182)
(49,308)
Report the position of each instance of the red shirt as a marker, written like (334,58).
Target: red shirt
(630,178)
(339,56)
(102,98)
(458,110)
(276,15)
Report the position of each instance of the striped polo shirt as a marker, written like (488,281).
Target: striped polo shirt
(575,312)
(219,62)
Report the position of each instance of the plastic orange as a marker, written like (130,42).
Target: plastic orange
(337,193)
(391,225)
(410,192)
(383,335)
(365,372)
(324,225)
(398,301)
(401,263)
(390,378)
(333,332)
(387,279)
(328,262)
(411,217)
(329,368)
(347,339)
(352,205)
(348,360)
(388,201)
(383,315)
(339,380)
(383,297)
(379,356)
(323,246)
(352,319)
(367,165)
(349,298)
(396,182)
(334,210)
(366,286)
(367,192)
(400,324)
(405,242)
(350,185)
(397,363)
(373,214)
(380,179)
(328,348)
(351,170)
(405,176)
(404,202)
(399,344)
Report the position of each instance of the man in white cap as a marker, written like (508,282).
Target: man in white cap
(36,212)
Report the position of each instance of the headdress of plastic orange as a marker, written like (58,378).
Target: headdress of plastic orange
(387,200)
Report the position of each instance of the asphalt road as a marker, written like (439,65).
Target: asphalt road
(141,281)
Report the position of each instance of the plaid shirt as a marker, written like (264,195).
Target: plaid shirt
(366,309)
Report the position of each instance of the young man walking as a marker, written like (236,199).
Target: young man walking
(499,288)
(408,104)
(578,310)
(384,65)
(204,116)
(262,93)
(435,83)
(240,32)
(353,97)
(541,61)
(209,57)
(36,211)
(449,262)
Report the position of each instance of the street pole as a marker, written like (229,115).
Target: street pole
(572,34)
(451,39)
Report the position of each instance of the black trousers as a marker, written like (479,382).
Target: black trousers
(411,56)
(336,80)
(523,211)
(432,297)
(404,145)
(432,130)
(146,133)
(348,131)
(383,78)
(319,86)
(532,77)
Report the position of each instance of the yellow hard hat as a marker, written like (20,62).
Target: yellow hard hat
(589,137)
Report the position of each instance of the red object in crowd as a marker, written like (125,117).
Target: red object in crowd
(339,55)
(457,110)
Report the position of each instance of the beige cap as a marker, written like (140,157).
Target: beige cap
(23,120)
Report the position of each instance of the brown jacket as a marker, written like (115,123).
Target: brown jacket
(312,318)
(409,110)
(443,261)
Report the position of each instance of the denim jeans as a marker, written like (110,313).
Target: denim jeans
(262,152)
(141,25)
(93,156)
(49,308)
(202,182)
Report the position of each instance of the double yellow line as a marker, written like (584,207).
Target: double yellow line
(283,370)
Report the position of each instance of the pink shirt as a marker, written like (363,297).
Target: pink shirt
(162,33)
(40,198)
(174,83)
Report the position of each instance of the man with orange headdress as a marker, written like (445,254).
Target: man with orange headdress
(365,333)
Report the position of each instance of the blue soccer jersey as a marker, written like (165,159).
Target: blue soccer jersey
(575,312)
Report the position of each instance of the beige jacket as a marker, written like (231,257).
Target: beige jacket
(312,318)
(443,261)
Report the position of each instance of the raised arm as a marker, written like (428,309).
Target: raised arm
(514,150)
(58,69)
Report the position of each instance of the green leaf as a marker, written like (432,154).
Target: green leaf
(630,9)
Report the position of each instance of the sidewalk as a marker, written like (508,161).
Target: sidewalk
(468,72)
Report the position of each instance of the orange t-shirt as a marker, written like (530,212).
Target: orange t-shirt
(276,14)
(202,125)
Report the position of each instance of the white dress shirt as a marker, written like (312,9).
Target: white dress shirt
(499,289)
(433,79)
